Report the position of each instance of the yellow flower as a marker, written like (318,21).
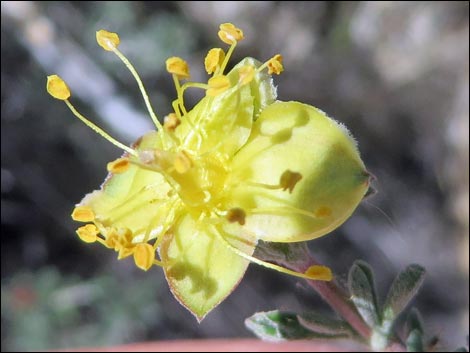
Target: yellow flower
(237,168)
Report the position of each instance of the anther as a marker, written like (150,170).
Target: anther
(107,40)
(321,273)
(217,85)
(236,215)
(118,166)
(178,67)
(229,33)
(214,59)
(289,179)
(144,255)
(275,64)
(171,122)
(88,233)
(83,214)
(57,87)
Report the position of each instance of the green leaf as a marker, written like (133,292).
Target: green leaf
(279,326)
(403,289)
(414,321)
(414,342)
(362,288)
(326,325)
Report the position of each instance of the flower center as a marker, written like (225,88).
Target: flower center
(199,180)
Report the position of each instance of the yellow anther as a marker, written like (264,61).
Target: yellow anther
(125,251)
(236,215)
(112,240)
(275,64)
(119,165)
(57,87)
(178,67)
(182,162)
(229,33)
(171,122)
(144,255)
(217,85)
(322,212)
(214,59)
(107,40)
(246,74)
(321,273)
(289,179)
(83,214)
(88,233)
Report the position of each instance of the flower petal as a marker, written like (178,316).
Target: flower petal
(295,137)
(136,199)
(225,121)
(200,269)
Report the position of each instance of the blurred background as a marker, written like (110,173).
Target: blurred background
(396,73)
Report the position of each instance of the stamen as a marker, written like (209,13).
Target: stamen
(144,256)
(319,273)
(214,59)
(217,85)
(275,65)
(171,122)
(246,74)
(100,131)
(125,251)
(83,214)
(236,215)
(229,33)
(322,212)
(57,88)
(289,179)
(109,41)
(88,233)
(178,67)
(118,166)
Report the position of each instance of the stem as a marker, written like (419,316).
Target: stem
(298,258)
(338,300)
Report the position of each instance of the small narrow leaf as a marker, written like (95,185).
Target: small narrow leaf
(326,325)
(362,288)
(414,321)
(276,326)
(403,289)
(414,342)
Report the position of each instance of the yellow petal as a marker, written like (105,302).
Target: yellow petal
(290,136)
(202,271)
